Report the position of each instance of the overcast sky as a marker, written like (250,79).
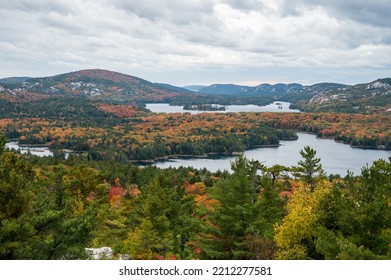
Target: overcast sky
(185,42)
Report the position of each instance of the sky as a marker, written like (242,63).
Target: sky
(199,42)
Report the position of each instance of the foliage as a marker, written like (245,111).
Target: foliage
(52,208)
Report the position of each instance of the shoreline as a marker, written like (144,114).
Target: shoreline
(205,155)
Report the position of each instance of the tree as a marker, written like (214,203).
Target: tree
(3,141)
(296,235)
(236,216)
(355,217)
(164,211)
(16,206)
(39,218)
(309,168)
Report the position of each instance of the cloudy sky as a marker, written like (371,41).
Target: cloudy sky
(184,42)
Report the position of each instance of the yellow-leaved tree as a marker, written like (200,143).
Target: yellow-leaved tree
(295,236)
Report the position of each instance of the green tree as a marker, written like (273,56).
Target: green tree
(236,217)
(16,205)
(355,221)
(39,218)
(165,211)
(3,141)
(309,168)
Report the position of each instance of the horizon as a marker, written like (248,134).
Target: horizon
(243,83)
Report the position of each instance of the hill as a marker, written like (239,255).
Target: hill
(95,84)
(362,98)
(194,87)
(13,80)
(293,91)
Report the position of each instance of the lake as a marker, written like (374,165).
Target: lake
(277,106)
(38,151)
(336,158)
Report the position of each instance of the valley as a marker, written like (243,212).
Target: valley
(253,203)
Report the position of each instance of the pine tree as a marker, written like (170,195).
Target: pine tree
(309,168)
(236,217)
(166,212)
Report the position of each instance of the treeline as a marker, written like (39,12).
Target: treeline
(54,209)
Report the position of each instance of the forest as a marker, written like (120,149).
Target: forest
(128,132)
(56,207)
(51,208)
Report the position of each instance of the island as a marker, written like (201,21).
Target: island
(204,107)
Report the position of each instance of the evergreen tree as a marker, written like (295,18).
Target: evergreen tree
(309,168)
(3,141)
(164,210)
(39,218)
(236,217)
(356,218)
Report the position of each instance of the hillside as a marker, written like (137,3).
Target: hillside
(293,91)
(373,97)
(13,80)
(94,84)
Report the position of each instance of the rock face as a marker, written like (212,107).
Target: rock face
(100,253)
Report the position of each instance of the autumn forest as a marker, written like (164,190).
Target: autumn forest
(55,207)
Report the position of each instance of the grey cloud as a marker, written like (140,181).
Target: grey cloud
(60,6)
(167,36)
(374,12)
(245,5)
(175,11)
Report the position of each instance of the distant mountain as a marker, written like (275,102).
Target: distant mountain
(362,98)
(281,91)
(95,84)
(194,87)
(13,80)
(174,88)
(305,93)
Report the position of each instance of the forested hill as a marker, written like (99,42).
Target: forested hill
(290,91)
(95,84)
(371,97)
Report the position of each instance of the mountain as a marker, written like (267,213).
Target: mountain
(263,89)
(305,93)
(290,92)
(174,88)
(94,84)
(362,98)
(13,80)
(194,87)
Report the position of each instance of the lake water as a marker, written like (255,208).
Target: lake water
(336,158)
(38,151)
(277,106)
